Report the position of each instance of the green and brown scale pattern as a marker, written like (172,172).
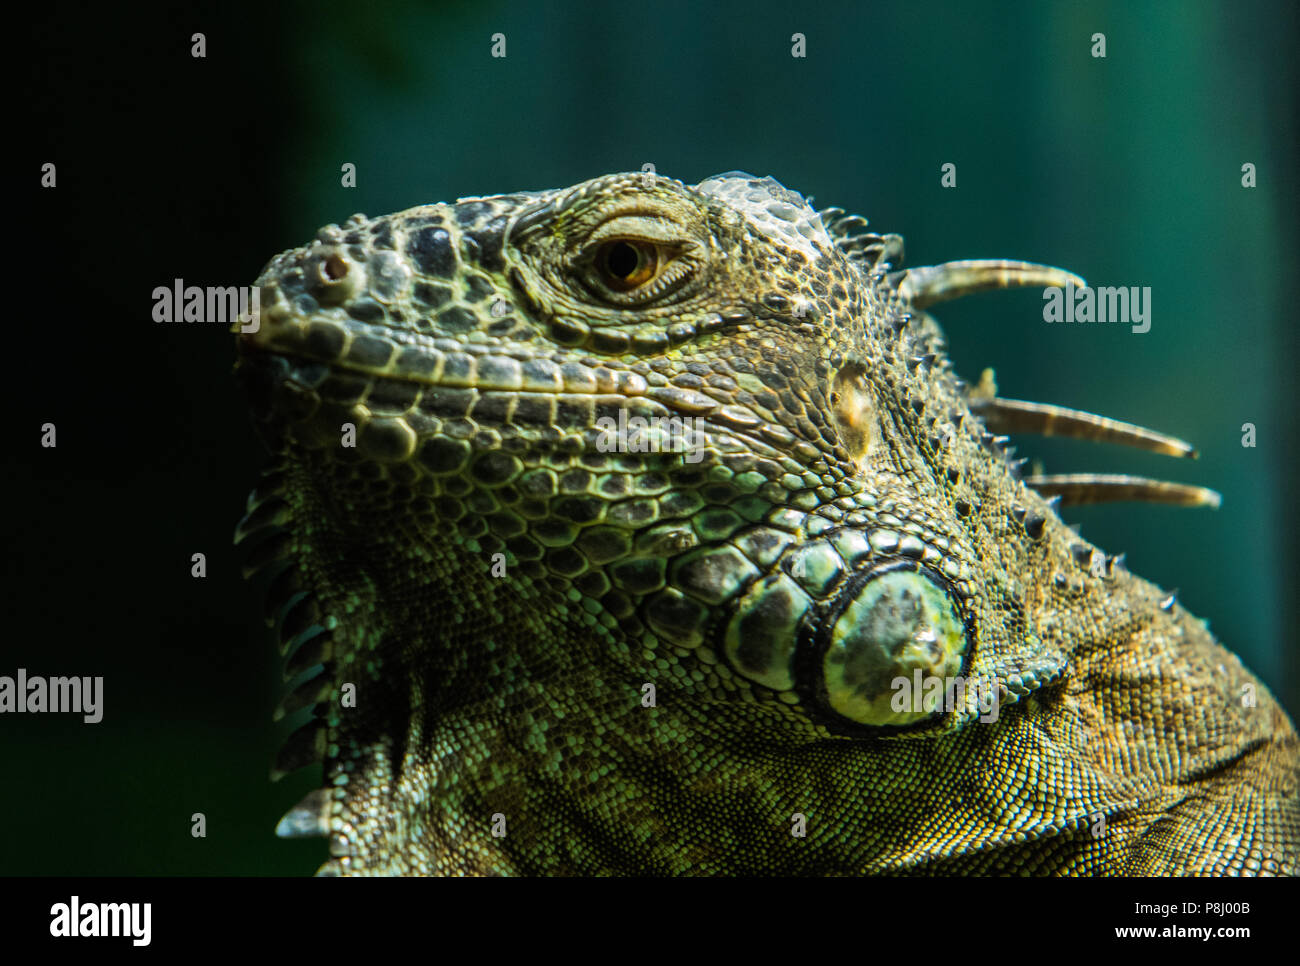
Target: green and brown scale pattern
(445,529)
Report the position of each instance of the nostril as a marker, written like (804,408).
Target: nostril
(334,268)
(332,278)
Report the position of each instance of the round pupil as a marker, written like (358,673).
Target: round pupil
(622,259)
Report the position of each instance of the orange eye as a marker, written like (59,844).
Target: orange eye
(626,264)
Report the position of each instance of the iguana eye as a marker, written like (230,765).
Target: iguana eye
(893,626)
(625,264)
(642,258)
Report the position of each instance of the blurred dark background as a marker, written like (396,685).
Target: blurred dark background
(1125,169)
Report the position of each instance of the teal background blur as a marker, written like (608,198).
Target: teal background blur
(1126,170)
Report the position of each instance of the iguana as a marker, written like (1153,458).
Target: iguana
(626,528)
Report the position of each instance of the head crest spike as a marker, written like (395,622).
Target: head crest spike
(1076,489)
(1044,419)
(928,285)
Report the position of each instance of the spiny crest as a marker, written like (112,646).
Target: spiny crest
(868,249)
(927,285)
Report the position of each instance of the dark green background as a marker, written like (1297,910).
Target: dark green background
(1126,170)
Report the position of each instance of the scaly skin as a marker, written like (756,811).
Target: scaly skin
(489,587)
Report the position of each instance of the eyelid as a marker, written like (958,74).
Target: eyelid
(647,228)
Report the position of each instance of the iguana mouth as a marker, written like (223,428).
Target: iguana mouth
(488,375)
(299,369)
(493,390)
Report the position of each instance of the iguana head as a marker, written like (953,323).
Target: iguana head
(626,508)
